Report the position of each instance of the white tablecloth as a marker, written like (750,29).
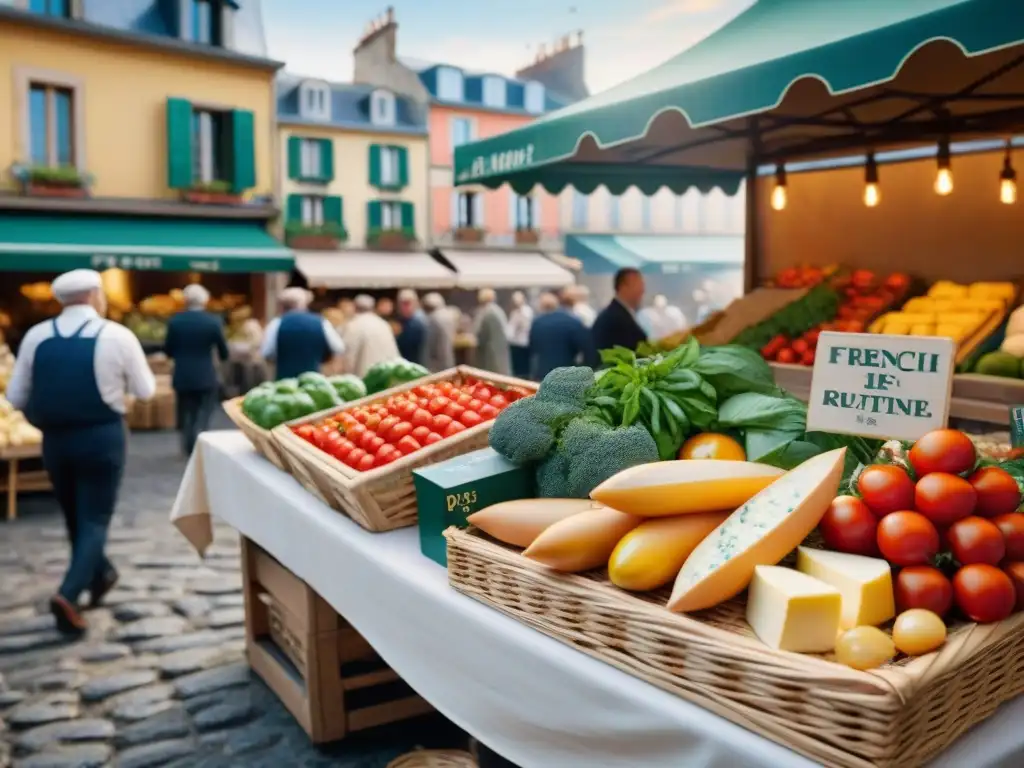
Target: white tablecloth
(535,701)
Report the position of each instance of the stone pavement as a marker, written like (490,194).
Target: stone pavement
(160,678)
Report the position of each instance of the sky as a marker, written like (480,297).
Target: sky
(622,37)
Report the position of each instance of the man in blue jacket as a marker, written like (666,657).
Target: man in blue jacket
(617,325)
(413,335)
(193,337)
(558,338)
(299,341)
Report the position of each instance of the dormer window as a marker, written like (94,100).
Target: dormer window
(315,101)
(208,22)
(495,92)
(382,108)
(450,86)
(61,8)
(534,98)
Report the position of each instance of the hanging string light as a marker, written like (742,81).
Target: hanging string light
(872,194)
(1008,179)
(944,176)
(778,199)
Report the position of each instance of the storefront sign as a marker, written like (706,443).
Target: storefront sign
(154,263)
(881,386)
(499,162)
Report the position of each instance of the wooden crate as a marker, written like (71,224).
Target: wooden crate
(260,438)
(17,478)
(325,673)
(384,498)
(899,716)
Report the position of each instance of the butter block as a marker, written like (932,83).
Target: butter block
(792,611)
(864,582)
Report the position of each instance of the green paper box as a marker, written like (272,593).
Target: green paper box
(1017,426)
(448,492)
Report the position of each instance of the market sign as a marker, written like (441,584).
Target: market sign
(101,262)
(881,386)
(498,162)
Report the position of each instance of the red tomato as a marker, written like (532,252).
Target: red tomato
(342,450)
(419,434)
(943,450)
(488,412)
(438,404)
(464,399)
(366,439)
(354,457)
(373,420)
(305,431)
(976,540)
(366,463)
(374,444)
(923,586)
(984,593)
(482,393)
(354,432)
(800,346)
(786,355)
(408,445)
(384,449)
(406,410)
(421,418)
(470,418)
(907,538)
(424,390)
(849,526)
(441,422)
(475,405)
(886,488)
(397,432)
(498,401)
(1012,527)
(446,388)
(386,424)
(1016,573)
(431,438)
(807,358)
(388,458)
(997,491)
(944,498)
(454,410)
(361,414)
(454,428)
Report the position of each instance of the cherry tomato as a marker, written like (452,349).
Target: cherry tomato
(421,418)
(419,434)
(438,404)
(366,463)
(498,401)
(386,424)
(907,538)
(397,432)
(441,422)
(984,593)
(482,393)
(408,445)
(786,355)
(849,526)
(997,491)
(1016,573)
(387,458)
(464,399)
(976,540)
(886,488)
(923,586)
(305,431)
(406,410)
(488,412)
(373,420)
(943,450)
(454,410)
(454,428)
(342,450)
(446,388)
(384,449)
(475,405)
(354,457)
(424,390)
(431,438)
(354,432)
(366,439)
(944,498)
(470,418)
(1011,525)
(361,415)
(374,444)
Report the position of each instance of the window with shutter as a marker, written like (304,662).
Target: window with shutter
(294,157)
(179,144)
(243,150)
(333,210)
(376,150)
(454,215)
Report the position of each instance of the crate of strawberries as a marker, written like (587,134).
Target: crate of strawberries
(359,457)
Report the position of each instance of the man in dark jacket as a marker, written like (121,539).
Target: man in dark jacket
(299,341)
(616,325)
(558,338)
(193,336)
(413,334)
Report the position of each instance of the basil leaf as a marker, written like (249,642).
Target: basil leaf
(632,409)
(761,442)
(790,454)
(618,355)
(752,410)
(732,369)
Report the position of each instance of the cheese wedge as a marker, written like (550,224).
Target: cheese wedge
(667,488)
(651,555)
(864,582)
(761,532)
(582,542)
(520,522)
(791,611)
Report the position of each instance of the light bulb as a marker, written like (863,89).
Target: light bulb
(944,181)
(779,197)
(872,195)
(1008,191)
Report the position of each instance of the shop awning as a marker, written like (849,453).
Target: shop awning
(506,269)
(604,254)
(58,243)
(372,269)
(806,77)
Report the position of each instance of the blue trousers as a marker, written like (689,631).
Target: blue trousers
(195,409)
(85,466)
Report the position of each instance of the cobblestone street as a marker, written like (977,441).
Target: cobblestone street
(160,678)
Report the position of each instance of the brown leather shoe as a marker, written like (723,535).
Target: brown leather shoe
(102,586)
(69,620)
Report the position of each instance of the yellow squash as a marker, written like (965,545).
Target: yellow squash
(651,554)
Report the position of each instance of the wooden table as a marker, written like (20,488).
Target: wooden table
(18,481)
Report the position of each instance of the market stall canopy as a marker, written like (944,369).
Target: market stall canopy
(371,269)
(506,269)
(784,79)
(59,243)
(605,254)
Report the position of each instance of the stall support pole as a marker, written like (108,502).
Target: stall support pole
(752,231)
(12,489)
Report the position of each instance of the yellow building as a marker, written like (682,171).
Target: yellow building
(354,185)
(138,134)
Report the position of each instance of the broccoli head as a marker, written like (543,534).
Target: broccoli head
(552,476)
(595,452)
(527,429)
(567,384)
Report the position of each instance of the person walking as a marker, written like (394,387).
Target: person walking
(413,326)
(616,325)
(581,305)
(492,352)
(193,337)
(299,341)
(70,379)
(558,338)
(519,321)
(368,338)
(439,339)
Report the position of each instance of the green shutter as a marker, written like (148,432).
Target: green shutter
(295,208)
(332,210)
(294,157)
(179,144)
(375,167)
(326,160)
(403,166)
(243,149)
(408,217)
(373,214)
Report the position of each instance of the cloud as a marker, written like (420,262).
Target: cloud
(672,9)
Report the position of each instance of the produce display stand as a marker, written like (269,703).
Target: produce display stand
(384,498)
(19,480)
(260,438)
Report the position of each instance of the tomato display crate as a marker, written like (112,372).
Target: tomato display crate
(260,438)
(898,716)
(384,498)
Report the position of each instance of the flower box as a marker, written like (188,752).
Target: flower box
(469,235)
(212,193)
(323,237)
(390,239)
(527,237)
(45,181)
(46,190)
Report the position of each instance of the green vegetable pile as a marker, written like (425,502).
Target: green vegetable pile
(391,373)
(276,402)
(817,306)
(348,386)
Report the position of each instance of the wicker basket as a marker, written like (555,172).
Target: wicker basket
(899,716)
(382,499)
(260,438)
(434,758)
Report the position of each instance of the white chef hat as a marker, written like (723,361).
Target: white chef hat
(75,284)
(195,295)
(364,302)
(295,297)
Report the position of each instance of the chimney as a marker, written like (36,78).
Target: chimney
(560,67)
(381,31)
